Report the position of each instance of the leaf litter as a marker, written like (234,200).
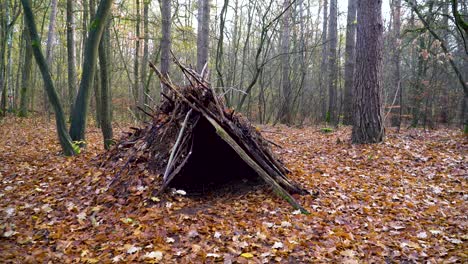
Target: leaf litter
(402,200)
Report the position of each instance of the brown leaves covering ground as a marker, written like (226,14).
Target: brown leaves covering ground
(403,200)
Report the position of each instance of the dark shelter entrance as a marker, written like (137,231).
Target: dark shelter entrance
(213,163)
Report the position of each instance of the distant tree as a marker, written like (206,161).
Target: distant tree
(367,119)
(350,62)
(71,53)
(324,62)
(105,111)
(26,75)
(203,33)
(285,111)
(332,63)
(136,61)
(50,44)
(220,47)
(396,54)
(165,38)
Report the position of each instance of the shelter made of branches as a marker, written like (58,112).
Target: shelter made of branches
(193,139)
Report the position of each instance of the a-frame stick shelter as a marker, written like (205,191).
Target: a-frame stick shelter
(201,104)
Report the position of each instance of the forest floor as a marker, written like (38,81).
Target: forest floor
(404,200)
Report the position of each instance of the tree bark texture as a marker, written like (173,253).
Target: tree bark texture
(106,121)
(350,62)
(332,63)
(285,111)
(71,53)
(324,64)
(165,40)
(367,119)
(26,76)
(203,33)
(396,78)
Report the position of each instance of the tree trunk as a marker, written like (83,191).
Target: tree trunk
(367,119)
(324,62)
(165,40)
(50,45)
(80,108)
(220,49)
(136,61)
(350,62)
(64,138)
(106,117)
(145,64)
(332,71)
(3,42)
(396,78)
(96,83)
(203,33)
(71,53)
(285,110)
(26,76)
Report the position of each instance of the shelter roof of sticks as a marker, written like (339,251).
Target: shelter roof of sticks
(193,139)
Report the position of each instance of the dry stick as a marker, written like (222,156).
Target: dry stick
(174,150)
(262,173)
(175,171)
(188,74)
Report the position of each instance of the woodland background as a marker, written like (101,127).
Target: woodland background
(288,62)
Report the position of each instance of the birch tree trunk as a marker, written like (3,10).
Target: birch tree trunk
(367,119)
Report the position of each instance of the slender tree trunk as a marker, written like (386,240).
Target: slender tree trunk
(64,138)
(203,33)
(50,45)
(367,119)
(396,78)
(96,83)
(165,40)
(350,62)
(324,62)
(417,94)
(332,70)
(106,116)
(220,50)
(136,61)
(3,41)
(80,108)
(26,76)
(285,111)
(145,64)
(85,21)
(71,53)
